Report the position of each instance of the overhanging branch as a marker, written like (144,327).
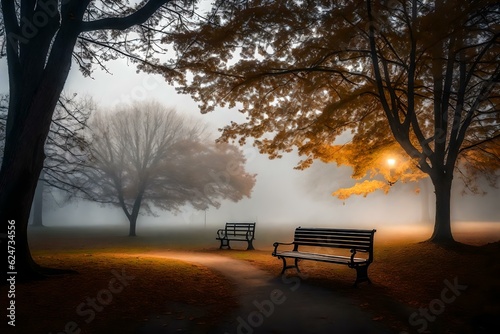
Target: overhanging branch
(128,55)
(121,23)
(479,143)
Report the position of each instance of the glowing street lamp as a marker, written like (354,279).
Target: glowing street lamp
(392,163)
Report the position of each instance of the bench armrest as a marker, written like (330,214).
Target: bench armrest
(353,253)
(276,244)
(249,235)
(221,233)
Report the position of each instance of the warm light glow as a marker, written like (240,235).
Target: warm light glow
(391,162)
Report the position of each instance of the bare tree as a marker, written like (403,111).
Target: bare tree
(144,156)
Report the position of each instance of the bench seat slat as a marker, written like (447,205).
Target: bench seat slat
(333,241)
(333,237)
(331,230)
(336,235)
(347,236)
(234,237)
(321,257)
(332,245)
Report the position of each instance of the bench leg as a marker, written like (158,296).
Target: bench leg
(250,245)
(361,275)
(297,265)
(285,267)
(224,243)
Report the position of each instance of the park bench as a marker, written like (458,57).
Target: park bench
(320,244)
(236,232)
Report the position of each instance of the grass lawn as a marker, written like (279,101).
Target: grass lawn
(406,276)
(150,290)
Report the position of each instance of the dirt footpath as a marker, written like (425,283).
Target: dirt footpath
(267,304)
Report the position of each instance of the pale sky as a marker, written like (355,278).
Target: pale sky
(282,195)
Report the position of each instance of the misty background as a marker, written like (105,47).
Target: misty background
(282,196)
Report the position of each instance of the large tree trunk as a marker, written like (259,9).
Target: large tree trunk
(38,203)
(18,179)
(442,224)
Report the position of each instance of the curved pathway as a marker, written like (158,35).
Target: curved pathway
(269,304)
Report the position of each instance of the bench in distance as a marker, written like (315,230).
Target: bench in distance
(236,232)
(357,241)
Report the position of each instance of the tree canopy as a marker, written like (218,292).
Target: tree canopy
(419,75)
(144,156)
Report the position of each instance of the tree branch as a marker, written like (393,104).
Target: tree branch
(487,140)
(121,23)
(129,55)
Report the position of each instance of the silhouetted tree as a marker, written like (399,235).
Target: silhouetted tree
(40,39)
(419,75)
(145,156)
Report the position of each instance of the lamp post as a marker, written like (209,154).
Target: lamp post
(391,162)
(205,226)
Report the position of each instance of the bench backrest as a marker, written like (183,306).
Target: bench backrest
(240,229)
(360,240)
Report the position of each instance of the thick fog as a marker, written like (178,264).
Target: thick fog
(282,196)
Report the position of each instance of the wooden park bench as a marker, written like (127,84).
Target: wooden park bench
(236,232)
(316,245)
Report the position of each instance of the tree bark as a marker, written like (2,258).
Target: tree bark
(442,224)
